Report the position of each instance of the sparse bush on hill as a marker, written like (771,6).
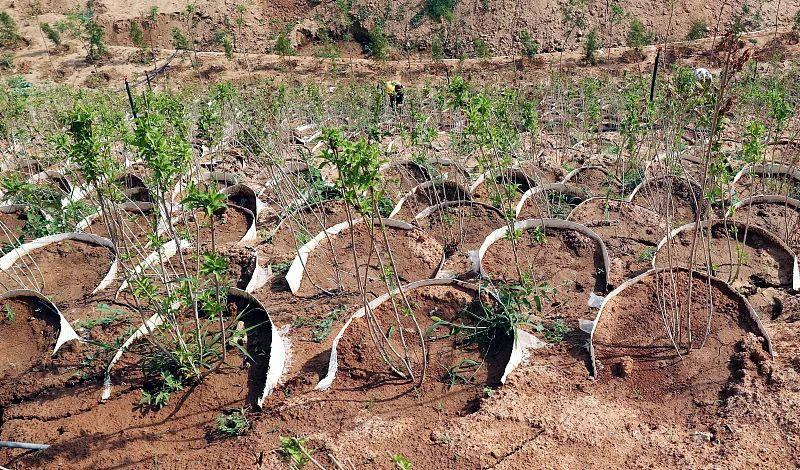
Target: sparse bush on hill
(82,26)
(378,44)
(51,33)
(481,48)
(179,41)
(223,39)
(9,33)
(638,35)
(530,46)
(590,47)
(440,9)
(698,30)
(796,25)
(283,46)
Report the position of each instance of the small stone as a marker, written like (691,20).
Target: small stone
(702,436)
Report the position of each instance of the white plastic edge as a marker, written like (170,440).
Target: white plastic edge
(65,334)
(8,260)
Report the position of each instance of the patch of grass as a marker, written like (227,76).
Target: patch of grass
(280,269)
(111,316)
(322,326)
(401,462)
(648,254)
(6,62)
(461,373)
(294,451)
(554,332)
(9,314)
(232,423)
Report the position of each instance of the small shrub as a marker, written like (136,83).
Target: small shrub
(437,48)
(6,62)
(638,35)
(137,35)
(293,450)
(223,39)
(378,43)
(530,46)
(698,30)
(481,48)
(232,423)
(283,46)
(401,462)
(51,33)
(796,25)
(179,41)
(591,47)
(9,33)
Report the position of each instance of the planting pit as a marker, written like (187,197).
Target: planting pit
(12,223)
(776,214)
(67,270)
(429,194)
(230,226)
(29,333)
(490,192)
(457,374)
(299,227)
(595,181)
(416,254)
(400,178)
(550,201)
(630,232)
(460,227)
(756,261)
(636,359)
(672,197)
(27,336)
(566,260)
(763,181)
(136,225)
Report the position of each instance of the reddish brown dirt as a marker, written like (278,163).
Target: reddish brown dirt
(552,203)
(568,262)
(11,226)
(68,271)
(597,182)
(301,226)
(780,185)
(630,233)
(780,219)
(27,336)
(229,226)
(135,227)
(671,197)
(638,358)
(755,261)
(417,256)
(27,367)
(399,178)
(494,192)
(440,192)
(461,229)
